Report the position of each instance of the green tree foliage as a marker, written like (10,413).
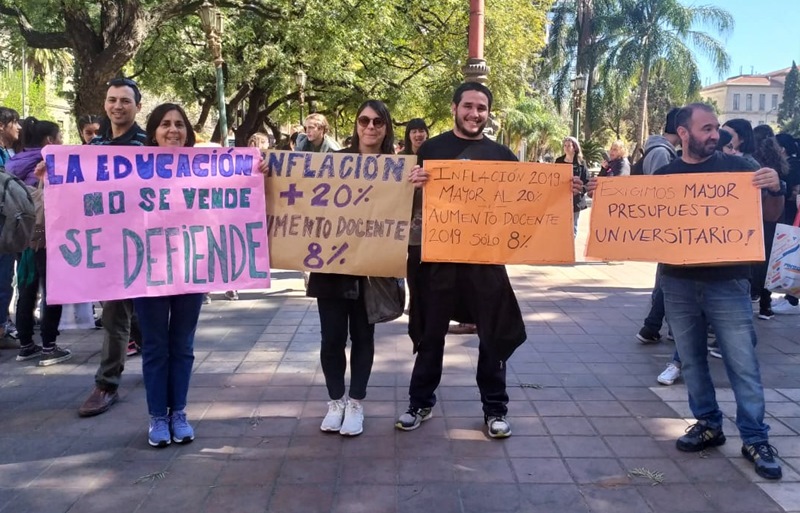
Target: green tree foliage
(408,54)
(102,36)
(638,34)
(11,95)
(648,45)
(789,109)
(534,123)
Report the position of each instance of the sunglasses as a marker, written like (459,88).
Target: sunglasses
(364,122)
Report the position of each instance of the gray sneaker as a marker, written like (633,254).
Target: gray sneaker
(56,355)
(412,418)
(29,352)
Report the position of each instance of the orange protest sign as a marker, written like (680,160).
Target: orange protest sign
(693,218)
(492,212)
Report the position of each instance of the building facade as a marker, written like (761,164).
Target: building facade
(755,98)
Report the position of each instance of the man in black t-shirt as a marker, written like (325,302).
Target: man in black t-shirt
(720,295)
(445,289)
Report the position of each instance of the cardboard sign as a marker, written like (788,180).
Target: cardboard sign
(125,222)
(493,212)
(693,218)
(340,213)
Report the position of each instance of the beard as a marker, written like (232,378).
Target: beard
(470,133)
(701,150)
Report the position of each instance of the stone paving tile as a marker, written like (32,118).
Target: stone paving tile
(585,410)
(614,500)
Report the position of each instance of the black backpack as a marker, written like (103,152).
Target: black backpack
(17,214)
(638,167)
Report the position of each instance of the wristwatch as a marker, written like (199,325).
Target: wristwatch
(781,192)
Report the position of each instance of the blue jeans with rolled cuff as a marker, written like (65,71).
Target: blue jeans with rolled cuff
(725,305)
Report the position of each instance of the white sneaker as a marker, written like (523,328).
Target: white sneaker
(785,308)
(353,423)
(670,374)
(333,419)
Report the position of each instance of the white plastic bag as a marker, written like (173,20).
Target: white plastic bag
(783,272)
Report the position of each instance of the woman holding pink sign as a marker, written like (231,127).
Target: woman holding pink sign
(168,323)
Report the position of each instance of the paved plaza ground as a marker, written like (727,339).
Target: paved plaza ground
(587,414)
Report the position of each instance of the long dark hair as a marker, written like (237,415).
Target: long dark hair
(34,132)
(155,117)
(413,124)
(768,151)
(8,115)
(788,143)
(744,130)
(387,146)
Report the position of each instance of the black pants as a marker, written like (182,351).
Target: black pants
(439,306)
(336,316)
(412,267)
(26,305)
(759,270)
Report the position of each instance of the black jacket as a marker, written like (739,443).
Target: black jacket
(579,170)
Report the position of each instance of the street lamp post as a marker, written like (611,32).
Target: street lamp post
(300,80)
(211,21)
(578,85)
(476,69)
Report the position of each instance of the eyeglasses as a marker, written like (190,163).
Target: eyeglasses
(364,122)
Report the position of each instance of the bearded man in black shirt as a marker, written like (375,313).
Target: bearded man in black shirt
(443,290)
(719,295)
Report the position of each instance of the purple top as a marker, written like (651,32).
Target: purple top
(24,163)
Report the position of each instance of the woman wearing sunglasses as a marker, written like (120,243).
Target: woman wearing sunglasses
(340,301)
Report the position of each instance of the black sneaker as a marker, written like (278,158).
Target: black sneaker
(412,418)
(29,352)
(56,355)
(648,336)
(762,454)
(698,437)
(765,314)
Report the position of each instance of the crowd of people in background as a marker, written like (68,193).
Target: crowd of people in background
(478,298)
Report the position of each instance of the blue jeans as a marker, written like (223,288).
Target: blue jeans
(168,324)
(655,316)
(6,284)
(575,217)
(691,306)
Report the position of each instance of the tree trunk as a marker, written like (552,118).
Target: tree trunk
(641,127)
(205,110)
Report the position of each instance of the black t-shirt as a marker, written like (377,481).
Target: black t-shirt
(448,146)
(719,162)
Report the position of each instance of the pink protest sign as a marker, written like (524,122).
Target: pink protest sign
(124,222)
